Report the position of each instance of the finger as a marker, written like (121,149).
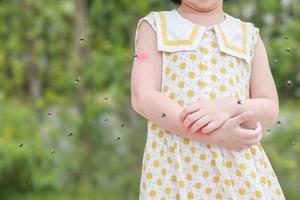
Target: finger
(254,141)
(188,110)
(200,123)
(247,130)
(191,118)
(239,119)
(250,134)
(212,126)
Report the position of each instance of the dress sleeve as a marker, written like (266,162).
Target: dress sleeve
(150,18)
(255,37)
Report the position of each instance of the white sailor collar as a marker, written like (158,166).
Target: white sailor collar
(176,33)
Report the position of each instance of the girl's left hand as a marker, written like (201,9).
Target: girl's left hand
(207,114)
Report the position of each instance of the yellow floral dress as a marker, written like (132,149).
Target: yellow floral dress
(208,62)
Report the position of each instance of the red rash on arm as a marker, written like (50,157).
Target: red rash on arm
(142,56)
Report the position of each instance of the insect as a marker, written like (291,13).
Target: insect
(288,49)
(268,130)
(278,122)
(81,39)
(20,145)
(163,114)
(239,101)
(52,151)
(122,124)
(49,113)
(289,83)
(106,119)
(118,138)
(105,98)
(70,134)
(275,61)
(286,37)
(77,80)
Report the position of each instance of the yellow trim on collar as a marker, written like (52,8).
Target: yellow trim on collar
(233,35)
(166,41)
(244,40)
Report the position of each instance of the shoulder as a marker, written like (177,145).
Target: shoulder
(146,29)
(155,19)
(147,18)
(152,18)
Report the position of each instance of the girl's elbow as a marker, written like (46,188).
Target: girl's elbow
(276,111)
(275,115)
(134,103)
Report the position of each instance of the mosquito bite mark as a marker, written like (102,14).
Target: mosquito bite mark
(141,56)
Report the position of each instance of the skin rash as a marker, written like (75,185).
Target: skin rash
(142,56)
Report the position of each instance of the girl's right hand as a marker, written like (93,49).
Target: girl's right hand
(232,136)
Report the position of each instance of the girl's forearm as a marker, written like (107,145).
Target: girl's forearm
(152,105)
(265,111)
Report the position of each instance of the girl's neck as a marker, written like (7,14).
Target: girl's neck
(204,17)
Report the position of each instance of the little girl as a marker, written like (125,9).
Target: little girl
(202,79)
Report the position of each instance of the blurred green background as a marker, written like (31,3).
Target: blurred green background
(67,128)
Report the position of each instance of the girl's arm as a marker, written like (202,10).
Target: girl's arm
(148,101)
(146,97)
(263,99)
